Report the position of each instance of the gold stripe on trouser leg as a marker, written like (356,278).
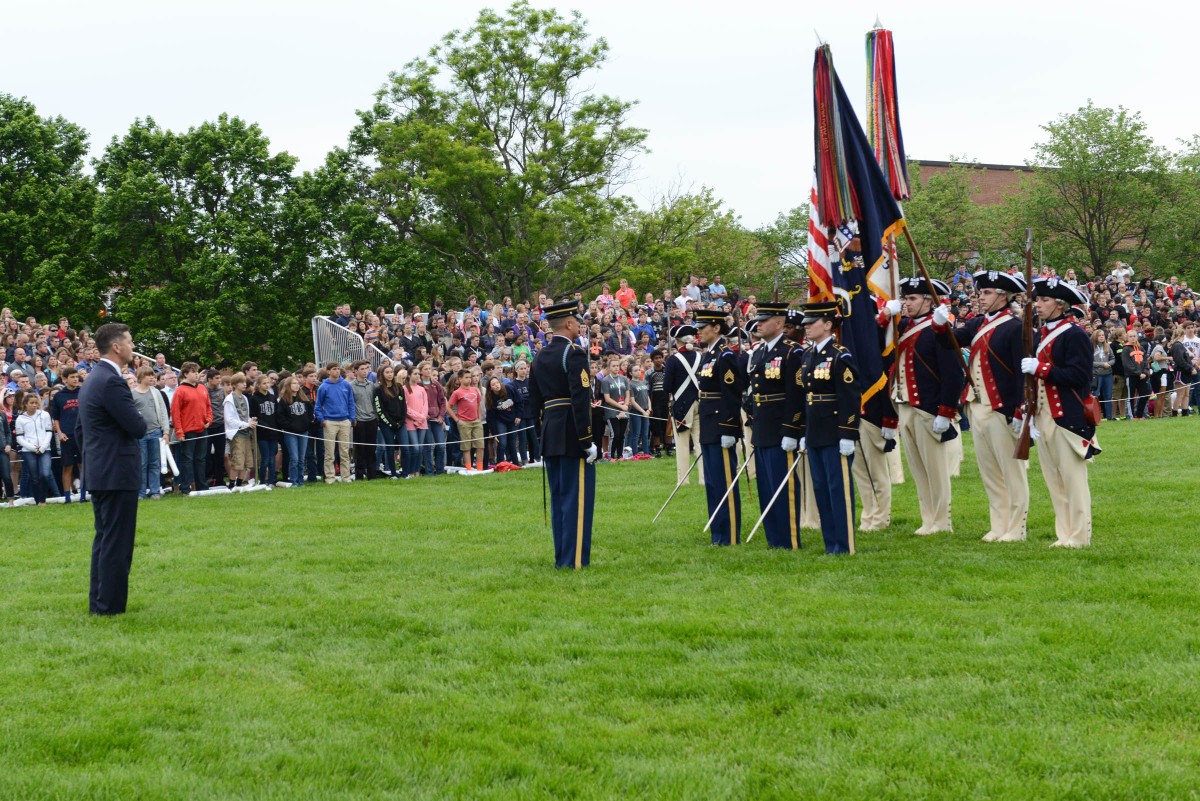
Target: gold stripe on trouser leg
(849,503)
(729,497)
(579,523)
(791,498)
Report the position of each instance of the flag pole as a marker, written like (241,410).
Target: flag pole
(937,299)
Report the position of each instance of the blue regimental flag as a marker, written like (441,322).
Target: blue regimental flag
(861,231)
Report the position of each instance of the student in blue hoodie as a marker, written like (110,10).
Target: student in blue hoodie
(335,410)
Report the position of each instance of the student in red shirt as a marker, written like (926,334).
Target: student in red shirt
(191,412)
(626,296)
(464,409)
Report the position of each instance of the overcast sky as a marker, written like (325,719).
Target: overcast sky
(725,88)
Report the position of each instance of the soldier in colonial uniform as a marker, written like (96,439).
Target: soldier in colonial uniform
(993,396)
(828,398)
(771,369)
(872,474)
(683,391)
(1066,439)
(720,426)
(927,380)
(560,390)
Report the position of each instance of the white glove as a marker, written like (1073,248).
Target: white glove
(1033,432)
(1029,365)
(941,315)
(803,447)
(1016,425)
(846,447)
(889,433)
(592,453)
(789,444)
(941,425)
(728,442)
(893,307)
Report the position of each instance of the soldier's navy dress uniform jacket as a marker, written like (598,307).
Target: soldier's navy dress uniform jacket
(827,399)
(772,368)
(560,395)
(720,415)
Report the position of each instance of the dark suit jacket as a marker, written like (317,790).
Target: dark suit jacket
(109,428)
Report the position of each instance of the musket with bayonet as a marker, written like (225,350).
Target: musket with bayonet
(1022,448)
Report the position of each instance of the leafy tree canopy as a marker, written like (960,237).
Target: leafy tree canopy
(46,207)
(494,153)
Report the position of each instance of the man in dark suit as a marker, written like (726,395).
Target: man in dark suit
(109,428)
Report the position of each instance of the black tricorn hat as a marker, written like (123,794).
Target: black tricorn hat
(919,286)
(1059,290)
(998,279)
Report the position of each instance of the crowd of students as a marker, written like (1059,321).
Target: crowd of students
(452,392)
(454,386)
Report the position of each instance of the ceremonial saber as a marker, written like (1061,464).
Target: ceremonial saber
(786,478)
(677,486)
(732,484)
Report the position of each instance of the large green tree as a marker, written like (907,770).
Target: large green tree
(46,215)
(1175,234)
(1098,184)
(785,242)
(494,152)
(679,235)
(189,228)
(338,248)
(944,221)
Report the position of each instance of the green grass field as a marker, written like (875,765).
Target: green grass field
(411,640)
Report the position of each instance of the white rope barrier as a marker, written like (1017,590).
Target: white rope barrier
(398,445)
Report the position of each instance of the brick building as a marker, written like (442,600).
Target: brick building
(991,183)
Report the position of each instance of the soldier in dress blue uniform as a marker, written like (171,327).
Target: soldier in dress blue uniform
(720,426)
(826,399)
(1066,440)
(560,392)
(771,368)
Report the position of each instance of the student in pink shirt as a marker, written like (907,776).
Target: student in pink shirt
(416,424)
